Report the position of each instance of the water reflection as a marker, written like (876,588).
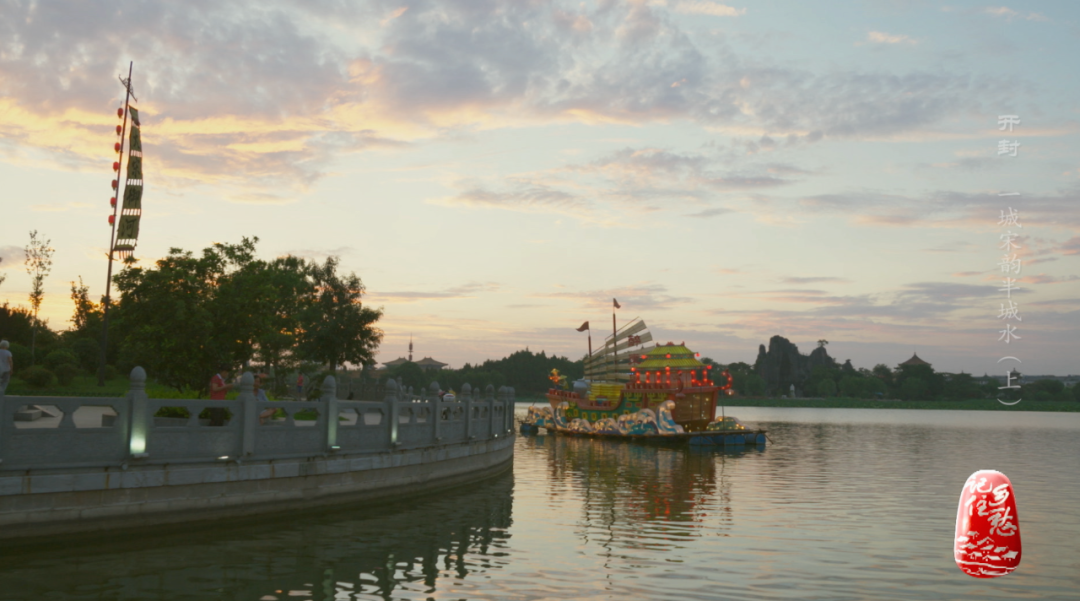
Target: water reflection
(408,549)
(635,496)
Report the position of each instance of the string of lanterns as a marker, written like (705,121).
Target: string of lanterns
(117,147)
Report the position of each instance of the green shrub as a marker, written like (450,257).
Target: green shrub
(60,357)
(88,352)
(20,355)
(66,373)
(111,373)
(38,376)
(173,412)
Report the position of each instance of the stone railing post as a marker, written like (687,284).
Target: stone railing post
(392,410)
(330,401)
(468,414)
(491,412)
(251,413)
(139,428)
(490,390)
(508,416)
(466,391)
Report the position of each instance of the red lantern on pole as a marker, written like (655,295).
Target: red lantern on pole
(119,129)
(115,166)
(112,219)
(116,147)
(114,183)
(120,113)
(112,201)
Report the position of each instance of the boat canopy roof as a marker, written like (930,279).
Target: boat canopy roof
(675,356)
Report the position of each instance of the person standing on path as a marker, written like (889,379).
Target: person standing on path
(218,388)
(7,366)
(300,387)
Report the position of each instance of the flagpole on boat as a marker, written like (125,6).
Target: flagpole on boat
(614,341)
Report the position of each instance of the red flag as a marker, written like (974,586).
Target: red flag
(584,326)
(617,305)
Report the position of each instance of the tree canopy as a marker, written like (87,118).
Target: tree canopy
(188,315)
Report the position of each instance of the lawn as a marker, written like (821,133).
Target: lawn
(87,386)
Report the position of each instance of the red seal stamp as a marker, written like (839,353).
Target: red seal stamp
(987,540)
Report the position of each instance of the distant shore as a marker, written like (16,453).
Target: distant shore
(846,403)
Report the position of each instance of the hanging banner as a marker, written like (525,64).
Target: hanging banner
(127,231)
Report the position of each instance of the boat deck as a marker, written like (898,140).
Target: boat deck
(704,438)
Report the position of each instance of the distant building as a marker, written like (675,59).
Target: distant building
(914,360)
(426,364)
(429,364)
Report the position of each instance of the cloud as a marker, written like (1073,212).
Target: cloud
(310,253)
(880,37)
(261,198)
(532,198)
(939,208)
(267,94)
(1070,247)
(11,257)
(1010,14)
(713,212)
(1042,278)
(815,280)
(641,297)
(714,9)
(470,290)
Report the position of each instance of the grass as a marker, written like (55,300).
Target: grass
(86,386)
(81,386)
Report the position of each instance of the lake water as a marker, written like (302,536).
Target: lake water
(844,504)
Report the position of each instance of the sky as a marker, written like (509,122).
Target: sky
(497,172)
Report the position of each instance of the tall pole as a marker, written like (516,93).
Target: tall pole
(614,344)
(112,234)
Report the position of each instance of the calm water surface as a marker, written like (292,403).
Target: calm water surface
(845,504)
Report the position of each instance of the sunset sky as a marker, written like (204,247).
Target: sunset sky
(497,172)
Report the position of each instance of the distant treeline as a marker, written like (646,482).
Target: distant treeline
(525,371)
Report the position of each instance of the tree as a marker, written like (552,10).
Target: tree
(826,387)
(411,374)
(852,387)
(38,265)
(821,343)
(883,373)
(2,276)
(913,388)
(335,326)
(86,319)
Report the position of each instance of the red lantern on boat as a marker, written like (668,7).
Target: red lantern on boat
(118,130)
(986,543)
(116,147)
(120,113)
(112,201)
(115,166)
(114,184)
(112,219)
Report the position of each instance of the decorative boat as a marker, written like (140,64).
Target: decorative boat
(663,394)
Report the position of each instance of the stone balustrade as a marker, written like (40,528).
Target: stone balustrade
(123,432)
